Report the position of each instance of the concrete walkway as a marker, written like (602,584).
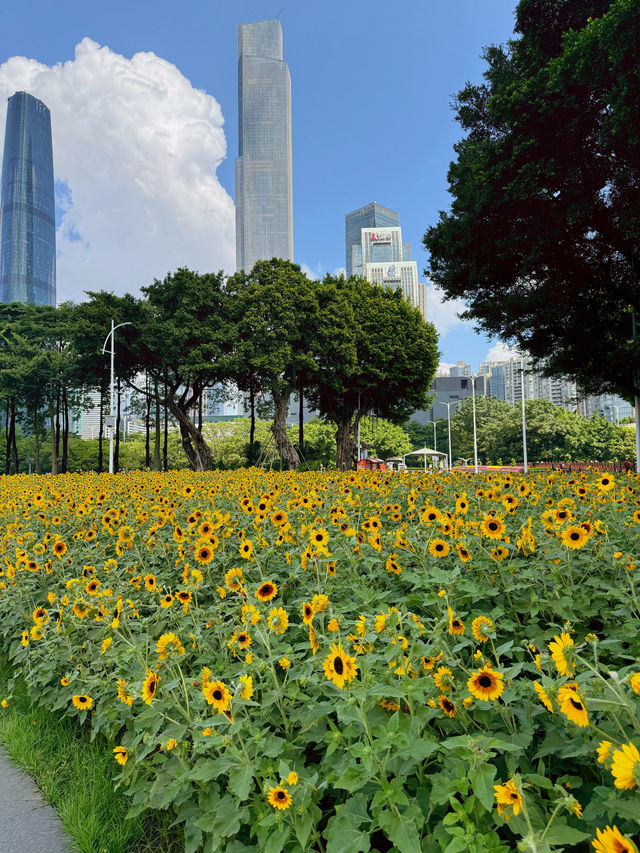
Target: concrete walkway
(27,823)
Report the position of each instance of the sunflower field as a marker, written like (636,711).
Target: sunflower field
(342,662)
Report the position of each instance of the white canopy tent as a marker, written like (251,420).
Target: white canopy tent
(425,452)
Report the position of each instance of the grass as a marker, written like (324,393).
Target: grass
(75,776)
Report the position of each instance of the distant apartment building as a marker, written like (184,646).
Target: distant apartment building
(452,390)
(609,406)
(264,194)
(460,369)
(380,256)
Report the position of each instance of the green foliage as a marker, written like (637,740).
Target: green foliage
(386,439)
(542,239)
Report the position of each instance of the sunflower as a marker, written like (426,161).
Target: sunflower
(482,628)
(543,696)
(150,582)
(82,702)
(557,649)
(606,483)
(625,767)
(59,548)
(279,518)
(464,555)
(485,683)
(183,596)
(634,682)
(443,678)
(439,548)
(456,627)
(217,694)
(508,799)
(266,591)
(392,566)
(612,841)
(339,667)
(278,620)
(121,755)
(150,686)
(307,613)
(166,601)
(123,696)
(247,686)
(203,553)
(234,580)
(604,751)
(246,549)
(279,798)
(164,644)
(574,537)
(492,527)
(447,706)
(572,706)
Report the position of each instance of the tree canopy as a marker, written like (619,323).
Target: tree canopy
(543,236)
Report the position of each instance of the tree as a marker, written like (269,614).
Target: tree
(376,356)
(275,311)
(491,417)
(543,235)
(386,439)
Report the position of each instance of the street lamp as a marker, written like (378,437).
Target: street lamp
(111,420)
(448,405)
(435,438)
(524,421)
(475,436)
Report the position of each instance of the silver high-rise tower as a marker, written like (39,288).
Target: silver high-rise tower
(264,198)
(27,207)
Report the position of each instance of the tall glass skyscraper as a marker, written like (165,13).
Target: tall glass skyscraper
(264,197)
(372,215)
(27,207)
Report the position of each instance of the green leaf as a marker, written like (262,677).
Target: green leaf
(343,837)
(401,831)
(352,779)
(561,833)
(482,784)
(241,781)
(277,840)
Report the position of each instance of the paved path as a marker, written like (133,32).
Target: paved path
(27,823)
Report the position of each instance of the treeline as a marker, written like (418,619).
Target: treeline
(345,347)
(553,433)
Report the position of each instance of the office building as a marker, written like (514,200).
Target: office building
(453,390)
(373,216)
(460,368)
(264,197)
(27,207)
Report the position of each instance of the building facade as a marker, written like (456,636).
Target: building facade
(381,256)
(27,205)
(373,216)
(264,194)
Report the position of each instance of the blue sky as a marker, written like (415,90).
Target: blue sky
(371,90)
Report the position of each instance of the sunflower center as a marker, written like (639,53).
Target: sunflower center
(217,695)
(280,795)
(338,665)
(575,536)
(493,525)
(448,706)
(485,681)
(577,705)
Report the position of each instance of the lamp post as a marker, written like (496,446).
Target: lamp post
(435,438)
(448,405)
(524,420)
(475,435)
(111,420)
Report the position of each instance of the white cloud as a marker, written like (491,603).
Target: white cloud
(444,367)
(138,148)
(501,352)
(443,315)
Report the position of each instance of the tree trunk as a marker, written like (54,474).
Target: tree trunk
(13,447)
(6,439)
(157,464)
(252,427)
(344,443)
(65,431)
(279,429)
(165,446)
(36,433)
(196,448)
(147,428)
(54,456)
(57,427)
(301,422)
(116,451)
(101,433)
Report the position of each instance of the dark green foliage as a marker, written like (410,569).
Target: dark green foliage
(542,239)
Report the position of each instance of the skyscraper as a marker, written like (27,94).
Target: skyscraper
(376,252)
(264,198)
(372,215)
(27,207)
